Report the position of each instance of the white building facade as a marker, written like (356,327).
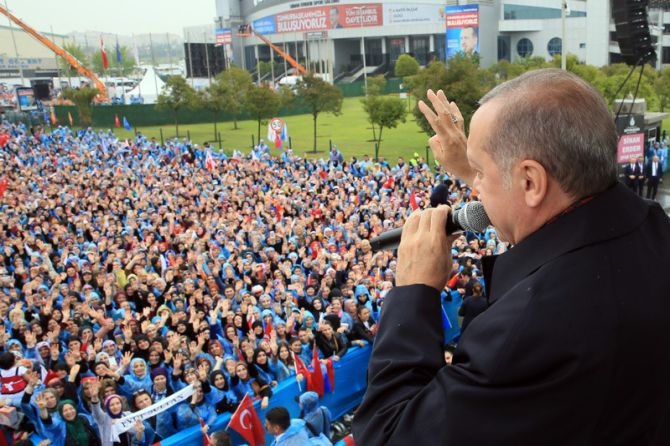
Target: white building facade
(331,36)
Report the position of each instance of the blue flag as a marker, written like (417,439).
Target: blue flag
(118,53)
(126,124)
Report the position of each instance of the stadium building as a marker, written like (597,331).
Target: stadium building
(343,39)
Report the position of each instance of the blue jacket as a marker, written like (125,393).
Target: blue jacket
(295,435)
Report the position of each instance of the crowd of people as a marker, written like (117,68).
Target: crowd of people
(130,270)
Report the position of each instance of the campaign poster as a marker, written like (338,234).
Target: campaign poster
(328,17)
(462,30)
(630,147)
(25,97)
(631,139)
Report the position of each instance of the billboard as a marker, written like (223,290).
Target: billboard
(462,30)
(321,18)
(224,36)
(25,97)
(412,13)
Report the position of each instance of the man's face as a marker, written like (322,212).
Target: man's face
(500,199)
(468,40)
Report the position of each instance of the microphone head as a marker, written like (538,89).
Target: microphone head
(472,217)
(440,195)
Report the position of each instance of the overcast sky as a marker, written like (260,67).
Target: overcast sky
(112,16)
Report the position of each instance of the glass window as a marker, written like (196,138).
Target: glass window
(555,46)
(524,47)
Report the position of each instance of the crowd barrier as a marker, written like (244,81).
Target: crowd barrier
(350,384)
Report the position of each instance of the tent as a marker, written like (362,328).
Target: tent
(149,88)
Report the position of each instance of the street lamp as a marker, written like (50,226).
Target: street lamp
(565,11)
(365,68)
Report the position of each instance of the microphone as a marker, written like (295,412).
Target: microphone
(471,217)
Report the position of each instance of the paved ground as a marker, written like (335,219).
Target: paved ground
(663,195)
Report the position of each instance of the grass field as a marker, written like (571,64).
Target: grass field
(350,132)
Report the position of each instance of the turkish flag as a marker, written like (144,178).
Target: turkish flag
(245,422)
(301,369)
(103,54)
(117,123)
(3,186)
(412,201)
(317,373)
(206,441)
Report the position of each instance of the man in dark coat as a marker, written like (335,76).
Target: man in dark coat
(654,174)
(544,364)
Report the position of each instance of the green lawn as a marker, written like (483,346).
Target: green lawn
(350,131)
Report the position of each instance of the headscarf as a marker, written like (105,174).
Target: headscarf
(108,400)
(75,427)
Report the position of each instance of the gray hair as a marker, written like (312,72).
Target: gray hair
(557,119)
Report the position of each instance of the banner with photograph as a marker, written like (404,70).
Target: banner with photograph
(462,30)
(25,97)
(321,18)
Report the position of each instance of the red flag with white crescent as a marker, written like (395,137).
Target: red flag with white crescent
(245,421)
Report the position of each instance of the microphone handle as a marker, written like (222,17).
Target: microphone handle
(389,240)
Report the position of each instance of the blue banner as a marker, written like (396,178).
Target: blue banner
(462,30)
(266,25)
(350,384)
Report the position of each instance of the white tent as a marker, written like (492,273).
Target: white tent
(149,88)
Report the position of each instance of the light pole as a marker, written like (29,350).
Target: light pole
(565,11)
(365,67)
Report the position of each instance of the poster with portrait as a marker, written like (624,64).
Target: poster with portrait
(462,23)
(25,97)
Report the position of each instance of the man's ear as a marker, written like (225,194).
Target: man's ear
(535,182)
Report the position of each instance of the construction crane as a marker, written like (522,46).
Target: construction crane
(248,31)
(81,69)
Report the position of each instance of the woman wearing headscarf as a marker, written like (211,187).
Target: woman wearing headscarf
(137,435)
(138,377)
(317,418)
(244,383)
(73,428)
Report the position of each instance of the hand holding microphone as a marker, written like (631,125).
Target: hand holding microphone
(424,253)
(471,217)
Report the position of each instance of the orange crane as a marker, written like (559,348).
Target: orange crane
(248,31)
(81,69)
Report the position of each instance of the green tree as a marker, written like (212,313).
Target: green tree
(662,86)
(462,81)
(406,65)
(176,95)
(385,112)
(320,97)
(262,103)
(82,99)
(611,84)
(79,54)
(376,86)
(505,70)
(232,86)
(213,100)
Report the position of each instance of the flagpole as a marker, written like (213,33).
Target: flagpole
(190,58)
(153,62)
(16,48)
(209,72)
(53,39)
